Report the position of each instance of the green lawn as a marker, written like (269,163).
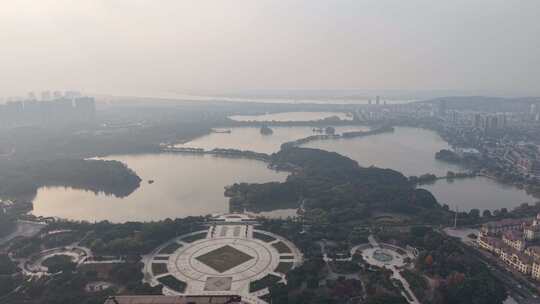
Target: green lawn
(281,247)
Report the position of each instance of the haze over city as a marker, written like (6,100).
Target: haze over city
(145,48)
(270,152)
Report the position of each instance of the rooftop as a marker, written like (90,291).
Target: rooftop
(493,241)
(504,222)
(513,235)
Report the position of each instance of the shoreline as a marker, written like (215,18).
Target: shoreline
(232,153)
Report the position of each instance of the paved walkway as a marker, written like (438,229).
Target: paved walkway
(394,265)
(373,242)
(396,275)
(463,234)
(36,267)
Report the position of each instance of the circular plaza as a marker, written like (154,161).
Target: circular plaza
(387,255)
(38,263)
(230,257)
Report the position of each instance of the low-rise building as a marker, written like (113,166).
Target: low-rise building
(519,261)
(535,272)
(532,231)
(498,227)
(508,240)
(533,251)
(514,239)
(491,244)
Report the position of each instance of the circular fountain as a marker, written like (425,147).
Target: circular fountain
(382,255)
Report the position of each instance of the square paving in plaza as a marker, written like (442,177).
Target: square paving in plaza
(224,258)
(218,284)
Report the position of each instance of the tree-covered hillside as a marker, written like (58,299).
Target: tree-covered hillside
(334,183)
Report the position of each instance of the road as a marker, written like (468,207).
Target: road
(518,287)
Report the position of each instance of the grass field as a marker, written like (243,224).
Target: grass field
(159,268)
(281,247)
(284,267)
(173,283)
(263,237)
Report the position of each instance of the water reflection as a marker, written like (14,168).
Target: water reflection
(250,138)
(183,185)
(478,193)
(412,152)
(194,184)
(408,150)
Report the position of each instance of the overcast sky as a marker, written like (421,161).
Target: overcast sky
(138,47)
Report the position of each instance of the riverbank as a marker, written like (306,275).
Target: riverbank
(21,179)
(431,178)
(483,165)
(218,152)
(344,135)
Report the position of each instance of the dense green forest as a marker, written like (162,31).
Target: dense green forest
(23,178)
(131,238)
(337,186)
(464,279)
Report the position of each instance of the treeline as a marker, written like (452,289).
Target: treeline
(455,274)
(431,178)
(128,240)
(310,283)
(335,188)
(128,130)
(69,287)
(239,153)
(23,178)
(461,278)
(448,156)
(277,196)
(131,238)
(330,135)
(375,131)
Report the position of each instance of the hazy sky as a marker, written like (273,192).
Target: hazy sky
(139,47)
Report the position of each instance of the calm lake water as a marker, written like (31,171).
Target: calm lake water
(250,138)
(478,192)
(408,150)
(194,184)
(412,152)
(184,185)
(291,116)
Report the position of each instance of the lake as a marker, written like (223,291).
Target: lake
(291,116)
(194,184)
(478,192)
(408,150)
(250,138)
(184,185)
(412,152)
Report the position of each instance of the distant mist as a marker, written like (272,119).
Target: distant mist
(154,48)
